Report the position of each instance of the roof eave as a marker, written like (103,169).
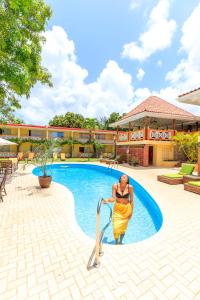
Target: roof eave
(190,98)
(155,115)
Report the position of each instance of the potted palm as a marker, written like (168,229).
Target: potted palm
(43,153)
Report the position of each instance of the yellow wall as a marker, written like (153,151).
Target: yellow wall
(108,148)
(65,149)
(25,147)
(24,132)
(67,134)
(108,136)
(162,153)
(76,135)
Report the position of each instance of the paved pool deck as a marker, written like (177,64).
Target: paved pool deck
(44,253)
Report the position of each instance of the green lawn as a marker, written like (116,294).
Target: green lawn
(71,160)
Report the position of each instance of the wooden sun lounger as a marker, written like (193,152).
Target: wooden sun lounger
(172,181)
(192,188)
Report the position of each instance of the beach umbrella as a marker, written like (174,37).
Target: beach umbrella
(4,142)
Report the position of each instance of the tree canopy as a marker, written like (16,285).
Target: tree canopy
(70,120)
(73,120)
(21,25)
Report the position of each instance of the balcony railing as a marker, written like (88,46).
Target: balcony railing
(104,141)
(7,137)
(151,134)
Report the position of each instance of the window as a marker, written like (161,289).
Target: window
(57,134)
(36,133)
(5,149)
(84,136)
(6,131)
(100,136)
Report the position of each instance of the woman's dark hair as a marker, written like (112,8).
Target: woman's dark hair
(121,178)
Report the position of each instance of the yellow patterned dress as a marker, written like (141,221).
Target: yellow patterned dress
(121,214)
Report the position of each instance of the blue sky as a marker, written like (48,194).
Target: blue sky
(100,28)
(108,56)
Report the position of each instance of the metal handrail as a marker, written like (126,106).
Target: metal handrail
(97,251)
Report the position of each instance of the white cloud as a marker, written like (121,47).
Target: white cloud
(112,91)
(134,4)
(159,63)
(140,74)
(186,75)
(158,36)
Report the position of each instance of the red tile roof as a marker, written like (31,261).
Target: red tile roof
(189,92)
(157,105)
(56,127)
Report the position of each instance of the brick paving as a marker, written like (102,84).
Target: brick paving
(44,253)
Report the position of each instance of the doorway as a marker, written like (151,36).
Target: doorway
(150,155)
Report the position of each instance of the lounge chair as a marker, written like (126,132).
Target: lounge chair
(173,179)
(20,155)
(192,186)
(62,156)
(30,156)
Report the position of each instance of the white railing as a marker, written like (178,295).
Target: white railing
(7,137)
(137,135)
(104,141)
(123,137)
(163,135)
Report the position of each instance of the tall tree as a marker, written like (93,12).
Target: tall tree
(70,120)
(105,122)
(114,117)
(21,25)
(91,123)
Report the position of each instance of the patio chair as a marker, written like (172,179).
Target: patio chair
(20,155)
(6,164)
(30,156)
(2,185)
(173,179)
(14,163)
(62,156)
(192,186)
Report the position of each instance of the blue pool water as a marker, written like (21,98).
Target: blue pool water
(89,183)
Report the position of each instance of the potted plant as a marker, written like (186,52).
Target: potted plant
(43,153)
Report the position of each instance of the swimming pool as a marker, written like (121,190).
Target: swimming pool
(89,183)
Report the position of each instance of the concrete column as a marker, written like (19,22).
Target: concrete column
(18,132)
(146,156)
(129,130)
(117,133)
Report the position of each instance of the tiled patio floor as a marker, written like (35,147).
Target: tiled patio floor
(44,254)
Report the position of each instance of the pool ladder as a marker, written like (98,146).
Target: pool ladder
(97,251)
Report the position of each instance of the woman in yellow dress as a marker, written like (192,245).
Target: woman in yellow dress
(122,195)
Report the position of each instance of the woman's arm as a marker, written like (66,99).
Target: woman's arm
(131,200)
(111,199)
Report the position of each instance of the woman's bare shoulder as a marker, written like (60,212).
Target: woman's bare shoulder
(115,185)
(130,186)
